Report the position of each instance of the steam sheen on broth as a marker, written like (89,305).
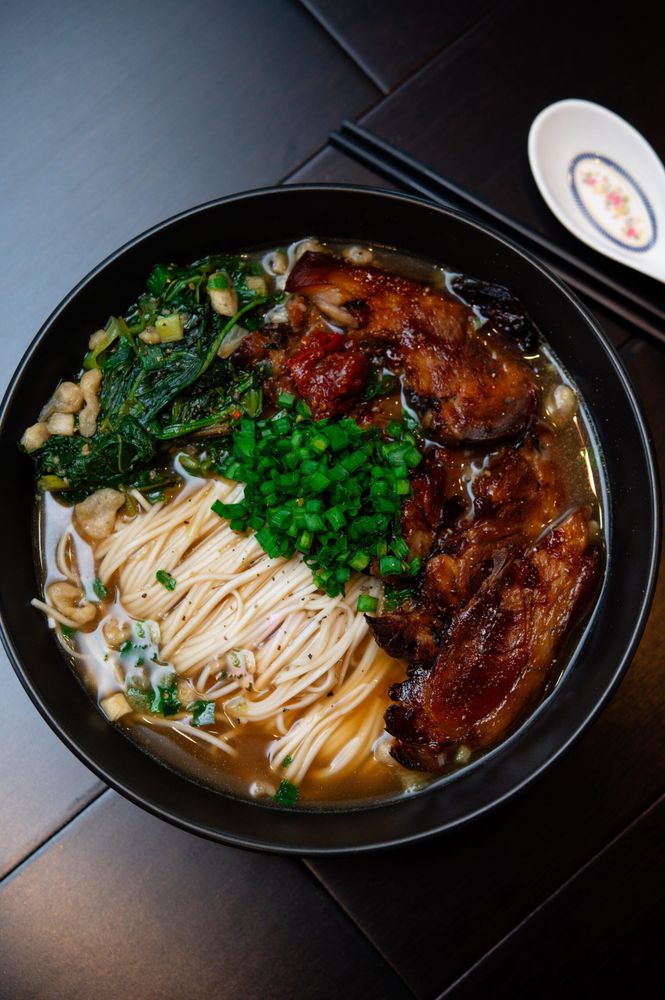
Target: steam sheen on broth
(234,667)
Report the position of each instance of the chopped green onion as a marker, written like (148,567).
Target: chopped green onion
(165,579)
(286,400)
(286,794)
(359,561)
(393,597)
(229,510)
(203,712)
(400,548)
(336,518)
(318,482)
(319,443)
(100,591)
(304,542)
(367,604)
(331,490)
(394,429)
(389,565)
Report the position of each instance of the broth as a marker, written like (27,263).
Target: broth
(250,773)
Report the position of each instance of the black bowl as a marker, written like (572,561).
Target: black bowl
(275,217)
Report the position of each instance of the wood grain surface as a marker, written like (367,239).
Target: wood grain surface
(389,39)
(468,112)
(118,115)
(612,907)
(120,904)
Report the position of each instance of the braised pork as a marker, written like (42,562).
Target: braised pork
(469,385)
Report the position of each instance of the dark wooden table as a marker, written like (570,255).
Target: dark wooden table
(116,115)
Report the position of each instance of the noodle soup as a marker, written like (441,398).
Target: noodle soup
(255,669)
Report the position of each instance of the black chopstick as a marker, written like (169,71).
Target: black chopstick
(414,176)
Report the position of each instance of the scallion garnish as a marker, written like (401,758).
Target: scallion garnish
(165,579)
(367,604)
(286,794)
(328,489)
(203,712)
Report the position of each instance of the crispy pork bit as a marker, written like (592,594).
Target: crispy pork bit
(515,498)
(90,385)
(35,436)
(328,372)
(70,601)
(496,656)
(413,633)
(423,510)
(97,513)
(469,385)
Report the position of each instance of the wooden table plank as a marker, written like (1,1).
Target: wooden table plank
(43,784)
(115,116)
(125,905)
(390,39)
(600,934)
(123,114)
(468,113)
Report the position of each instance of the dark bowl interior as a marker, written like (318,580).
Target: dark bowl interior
(278,216)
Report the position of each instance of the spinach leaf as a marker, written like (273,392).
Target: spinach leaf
(286,794)
(203,712)
(102,460)
(152,393)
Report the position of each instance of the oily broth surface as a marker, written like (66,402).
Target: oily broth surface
(376,778)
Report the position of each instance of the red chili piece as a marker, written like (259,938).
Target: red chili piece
(328,372)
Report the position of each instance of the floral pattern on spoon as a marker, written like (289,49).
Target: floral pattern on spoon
(612,201)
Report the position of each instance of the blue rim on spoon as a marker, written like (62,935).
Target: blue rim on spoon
(595,221)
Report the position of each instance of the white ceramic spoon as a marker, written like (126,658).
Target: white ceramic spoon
(603,181)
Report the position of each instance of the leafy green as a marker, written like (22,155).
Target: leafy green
(101,592)
(395,597)
(139,698)
(203,712)
(165,700)
(158,699)
(105,460)
(162,700)
(220,393)
(154,394)
(380,384)
(286,794)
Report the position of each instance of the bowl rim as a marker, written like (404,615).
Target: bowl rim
(609,687)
